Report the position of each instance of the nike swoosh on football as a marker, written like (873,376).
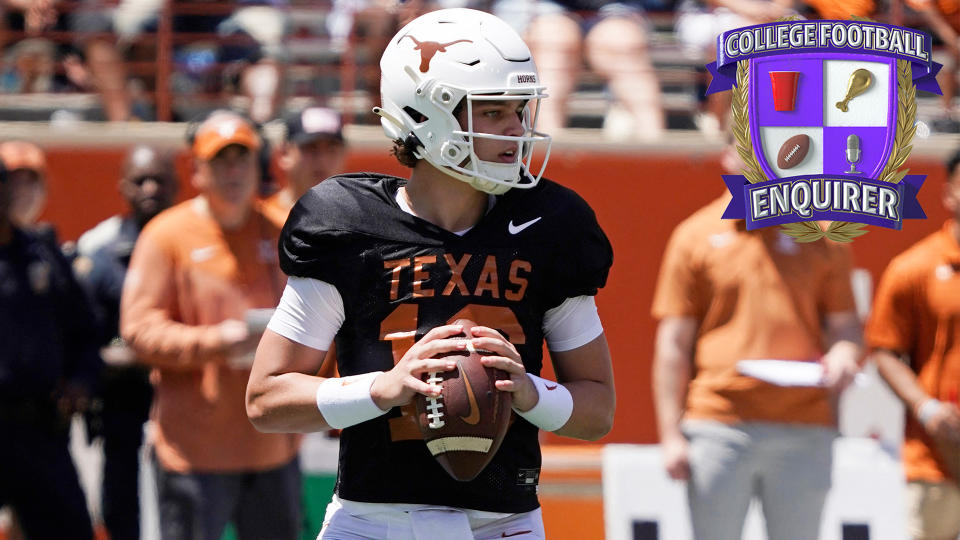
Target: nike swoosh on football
(518,533)
(514,229)
(474,415)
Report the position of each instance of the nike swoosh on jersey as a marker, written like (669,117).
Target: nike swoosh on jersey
(514,229)
(518,533)
(474,415)
(548,387)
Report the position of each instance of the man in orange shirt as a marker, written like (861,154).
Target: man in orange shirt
(727,295)
(841,9)
(198,270)
(913,335)
(313,151)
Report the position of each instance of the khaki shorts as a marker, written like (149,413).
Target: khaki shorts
(934,510)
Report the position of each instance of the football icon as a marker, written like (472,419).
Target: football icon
(793,151)
(464,426)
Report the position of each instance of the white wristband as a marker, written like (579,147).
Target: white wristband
(927,409)
(346,401)
(553,408)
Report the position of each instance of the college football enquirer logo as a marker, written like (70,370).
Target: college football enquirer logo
(823,115)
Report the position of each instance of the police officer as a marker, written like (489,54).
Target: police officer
(117,415)
(48,365)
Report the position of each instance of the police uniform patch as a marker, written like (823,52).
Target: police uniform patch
(39,275)
(82,266)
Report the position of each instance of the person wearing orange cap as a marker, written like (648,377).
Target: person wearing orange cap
(27,174)
(200,279)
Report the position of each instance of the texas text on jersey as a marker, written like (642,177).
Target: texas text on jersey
(399,276)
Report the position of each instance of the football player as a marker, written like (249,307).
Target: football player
(385,264)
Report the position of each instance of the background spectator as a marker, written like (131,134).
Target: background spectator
(122,404)
(313,150)
(842,9)
(27,177)
(612,36)
(47,370)
(215,59)
(192,308)
(725,295)
(698,24)
(915,312)
(941,17)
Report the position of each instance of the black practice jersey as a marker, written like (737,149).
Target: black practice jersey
(399,276)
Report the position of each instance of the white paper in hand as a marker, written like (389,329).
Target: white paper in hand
(783,372)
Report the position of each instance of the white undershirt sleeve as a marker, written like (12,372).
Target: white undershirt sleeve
(310,313)
(572,324)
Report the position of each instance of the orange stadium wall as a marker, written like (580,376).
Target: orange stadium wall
(639,196)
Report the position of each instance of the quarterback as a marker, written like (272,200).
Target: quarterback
(386,264)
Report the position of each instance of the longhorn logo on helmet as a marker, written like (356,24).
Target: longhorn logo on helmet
(429,49)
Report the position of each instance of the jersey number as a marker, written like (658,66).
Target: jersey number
(400,326)
(400,329)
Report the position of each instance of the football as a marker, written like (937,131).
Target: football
(793,151)
(464,426)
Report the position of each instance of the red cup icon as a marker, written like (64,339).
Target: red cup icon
(784,89)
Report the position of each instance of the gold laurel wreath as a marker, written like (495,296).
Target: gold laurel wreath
(838,231)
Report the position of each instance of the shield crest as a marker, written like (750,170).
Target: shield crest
(845,105)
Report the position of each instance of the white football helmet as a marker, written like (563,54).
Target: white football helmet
(442,58)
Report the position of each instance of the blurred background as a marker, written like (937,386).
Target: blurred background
(634,135)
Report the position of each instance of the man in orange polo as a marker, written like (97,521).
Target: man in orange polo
(728,299)
(198,273)
(913,332)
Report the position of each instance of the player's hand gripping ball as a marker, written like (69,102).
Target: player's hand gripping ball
(464,426)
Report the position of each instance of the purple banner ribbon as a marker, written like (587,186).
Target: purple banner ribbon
(785,37)
(824,198)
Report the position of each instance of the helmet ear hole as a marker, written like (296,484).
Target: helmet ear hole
(416,115)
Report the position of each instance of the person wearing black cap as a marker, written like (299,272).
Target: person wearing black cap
(313,151)
(149,185)
(48,368)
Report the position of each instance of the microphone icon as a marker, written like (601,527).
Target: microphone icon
(853,153)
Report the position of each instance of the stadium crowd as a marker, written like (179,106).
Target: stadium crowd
(632,67)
